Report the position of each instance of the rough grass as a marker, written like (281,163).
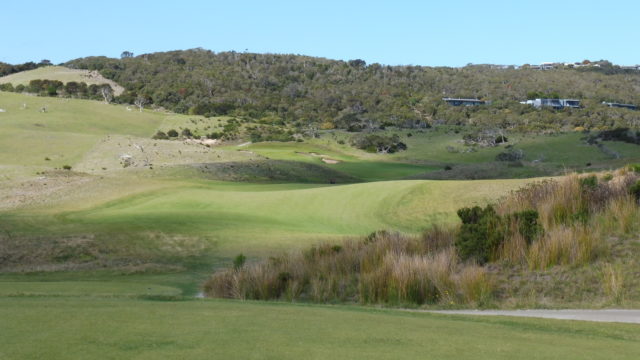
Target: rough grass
(95,328)
(64,133)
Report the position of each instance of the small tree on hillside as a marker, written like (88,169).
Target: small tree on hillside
(140,102)
(107,93)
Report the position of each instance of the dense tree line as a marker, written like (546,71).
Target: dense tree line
(8,69)
(300,90)
(58,88)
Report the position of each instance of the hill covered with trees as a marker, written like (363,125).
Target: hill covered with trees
(302,90)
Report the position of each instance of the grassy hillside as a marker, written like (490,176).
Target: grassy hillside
(103,328)
(64,133)
(60,73)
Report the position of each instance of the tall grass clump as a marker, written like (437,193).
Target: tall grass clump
(383,268)
(613,282)
(577,214)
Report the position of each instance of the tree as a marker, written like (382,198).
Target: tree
(140,102)
(126,54)
(107,93)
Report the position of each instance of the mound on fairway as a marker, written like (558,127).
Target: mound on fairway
(258,219)
(63,74)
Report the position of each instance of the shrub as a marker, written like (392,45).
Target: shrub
(635,190)
(160,135)
(239,261)
(66,167)
(589,182)
(480,234)
(379,143)
(527,224)
(510,155)
(172,133)
(483,231)
(186,132)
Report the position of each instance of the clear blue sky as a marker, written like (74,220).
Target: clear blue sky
(451,33)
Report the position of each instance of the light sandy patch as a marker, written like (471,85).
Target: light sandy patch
(206,142)
(329,161)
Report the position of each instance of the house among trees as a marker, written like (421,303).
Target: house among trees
(618,105)
(553,103)
(463,102)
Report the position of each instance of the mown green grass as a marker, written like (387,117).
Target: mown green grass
(257,219)
(364,166)
(95,328)
(84,288)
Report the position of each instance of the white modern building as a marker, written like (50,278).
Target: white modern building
(553,103)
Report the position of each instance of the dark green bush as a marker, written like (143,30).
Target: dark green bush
(589,182)
(481,233)
(160,135)
(635,190)
(528,225)
(239,261)
(172,133)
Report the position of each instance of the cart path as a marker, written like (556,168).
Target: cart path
(608,315)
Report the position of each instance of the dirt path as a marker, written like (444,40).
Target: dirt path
(609,315)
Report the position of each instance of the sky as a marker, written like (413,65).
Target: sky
(399,32)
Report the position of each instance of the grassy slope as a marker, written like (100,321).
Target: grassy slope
(91,328)
(59,73)
(255,218)
(64,133)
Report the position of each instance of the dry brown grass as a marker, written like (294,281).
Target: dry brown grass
(577,214)
(382,268)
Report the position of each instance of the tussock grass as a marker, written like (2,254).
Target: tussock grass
(613,282)
(577,213)
(382,268)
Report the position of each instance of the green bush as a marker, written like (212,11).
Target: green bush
(160,135)
(528,225)
(589,182)
(481,233)
(172,133)
(635,190)
(66,167)
(238,261)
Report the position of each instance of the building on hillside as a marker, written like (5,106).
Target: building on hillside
(548,65)
(557,104)
(464,102)
(618,105)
